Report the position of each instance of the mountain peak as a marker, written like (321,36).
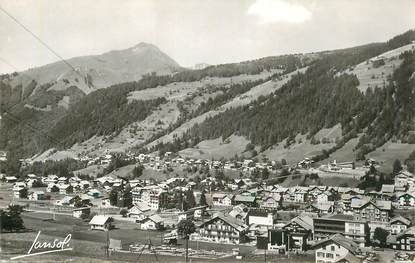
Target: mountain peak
(144,45)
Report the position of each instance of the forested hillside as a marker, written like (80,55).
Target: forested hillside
(320,98)
(28,129)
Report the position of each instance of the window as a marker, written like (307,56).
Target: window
(320,254)
(332,248)
(329,255)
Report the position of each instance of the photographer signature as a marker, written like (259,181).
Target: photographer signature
(52,246)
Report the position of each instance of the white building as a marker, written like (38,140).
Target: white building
(335,249)
(100,222)
(154,222)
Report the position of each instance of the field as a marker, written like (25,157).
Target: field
(216,148)
(178,91)
(297,151)
(87,243)
(370,76)
(333,181)
(243,99)
(389,152)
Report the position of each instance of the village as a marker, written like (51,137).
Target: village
(253,211)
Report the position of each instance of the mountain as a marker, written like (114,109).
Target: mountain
(100,71)
(347,103)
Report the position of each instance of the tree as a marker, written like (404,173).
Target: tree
(397,167)
(265,174)
(178,200)
(11,220)
(410,162)
(124,212)
(128,196)
(202,200)
(38,183)
(190,199)
(69,189)
(185,228)
(54,189)
(113,196)
(138,171)
(381,235)
(23,193)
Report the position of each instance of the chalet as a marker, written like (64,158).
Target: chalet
(406,199)
(139,211)
(403,241)
(223,229)
(300,231)
(221,199)
(101,222)
(403,179)
(371,211)
(193,213)
(37,195)
(18,189)
(29,182)
(65,189)
(316,190)
(300,195)
(67,200)
(325,197)
(337,248)
(271,202)
(50,179)
(84,184)
(81,212)
(399,225)
(321,208)
(62,180)
(154,222)
(247,200)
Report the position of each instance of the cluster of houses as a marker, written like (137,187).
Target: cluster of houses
(50,184)
(336,222)
(344,218)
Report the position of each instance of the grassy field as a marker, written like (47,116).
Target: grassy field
(370,76)
(297,151)
(334,181)
(389,152)
(216,148)
(87,243)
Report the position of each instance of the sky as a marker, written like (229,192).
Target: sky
(194,31)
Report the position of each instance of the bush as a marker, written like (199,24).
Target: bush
(124,212)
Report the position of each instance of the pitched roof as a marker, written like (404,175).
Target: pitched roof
(304,221)
(99,220)
(400,219)
(323,206)
(244,198)
(235,223)
(388,188)
(155,218)
(340,240)
(140,206)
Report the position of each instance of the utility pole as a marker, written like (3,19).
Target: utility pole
(107,244)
